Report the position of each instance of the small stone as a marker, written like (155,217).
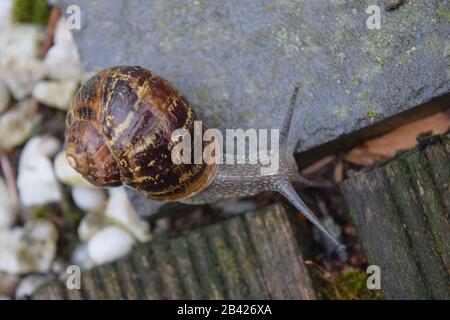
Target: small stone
(58,266)
(120,210)
(4,96)
(143,206)
(8,284)
(80,257)
(21,40)
(21,74)
(7,213)
(62,32)
(17,124)
(233,207)
(110,244)
(30,284)
(63,63)
(88,198)
(55,94)
(5,14)
(91,224)
(66,174)
(36,180)
(30,248)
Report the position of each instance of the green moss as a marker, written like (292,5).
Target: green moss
(42,212)
(31,11)
(443,12)
(381,61)
(340,111)
(431,43)
(349,284)
(203,95)
(73,215)
(247,116)
(371,114)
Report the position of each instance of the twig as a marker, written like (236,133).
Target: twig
(51,26)
(10,178)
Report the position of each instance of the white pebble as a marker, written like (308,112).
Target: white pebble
(5,14)
(16,125)
(80,257)
(88,198)
(7,213)
(21,74)
(110,244)
(62,32)
(30,284)
(30,248)
(63,63)
(91,224)
(36,180)
(66,174)
(21,40)
(56,94)
(239,207)
(120,210)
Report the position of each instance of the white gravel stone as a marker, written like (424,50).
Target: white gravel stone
(20,39)
(66,174)
(88,198)
(120,210)
(62,60)
(16,125)
(30,248)
(29,284)
(91,224)
(239,206)
(63,63)
(80,257)
(62,32)
(110,244)
(55,94)
(5,14)
(21,74)
(36,180)
(4,96)
(7,213)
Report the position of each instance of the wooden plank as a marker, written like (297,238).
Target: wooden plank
(254,256)
(401,210)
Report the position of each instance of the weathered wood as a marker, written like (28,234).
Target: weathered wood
(401,210)
(253,256)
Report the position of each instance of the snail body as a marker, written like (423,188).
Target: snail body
(119,127)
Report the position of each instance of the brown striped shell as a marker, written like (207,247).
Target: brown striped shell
(119,128)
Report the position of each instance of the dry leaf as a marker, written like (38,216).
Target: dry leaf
(339,171)
(402,138)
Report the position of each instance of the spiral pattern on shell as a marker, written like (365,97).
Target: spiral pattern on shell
(119,128)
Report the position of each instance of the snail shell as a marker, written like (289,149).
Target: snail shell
(119,128)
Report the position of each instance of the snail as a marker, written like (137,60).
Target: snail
(118,132)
